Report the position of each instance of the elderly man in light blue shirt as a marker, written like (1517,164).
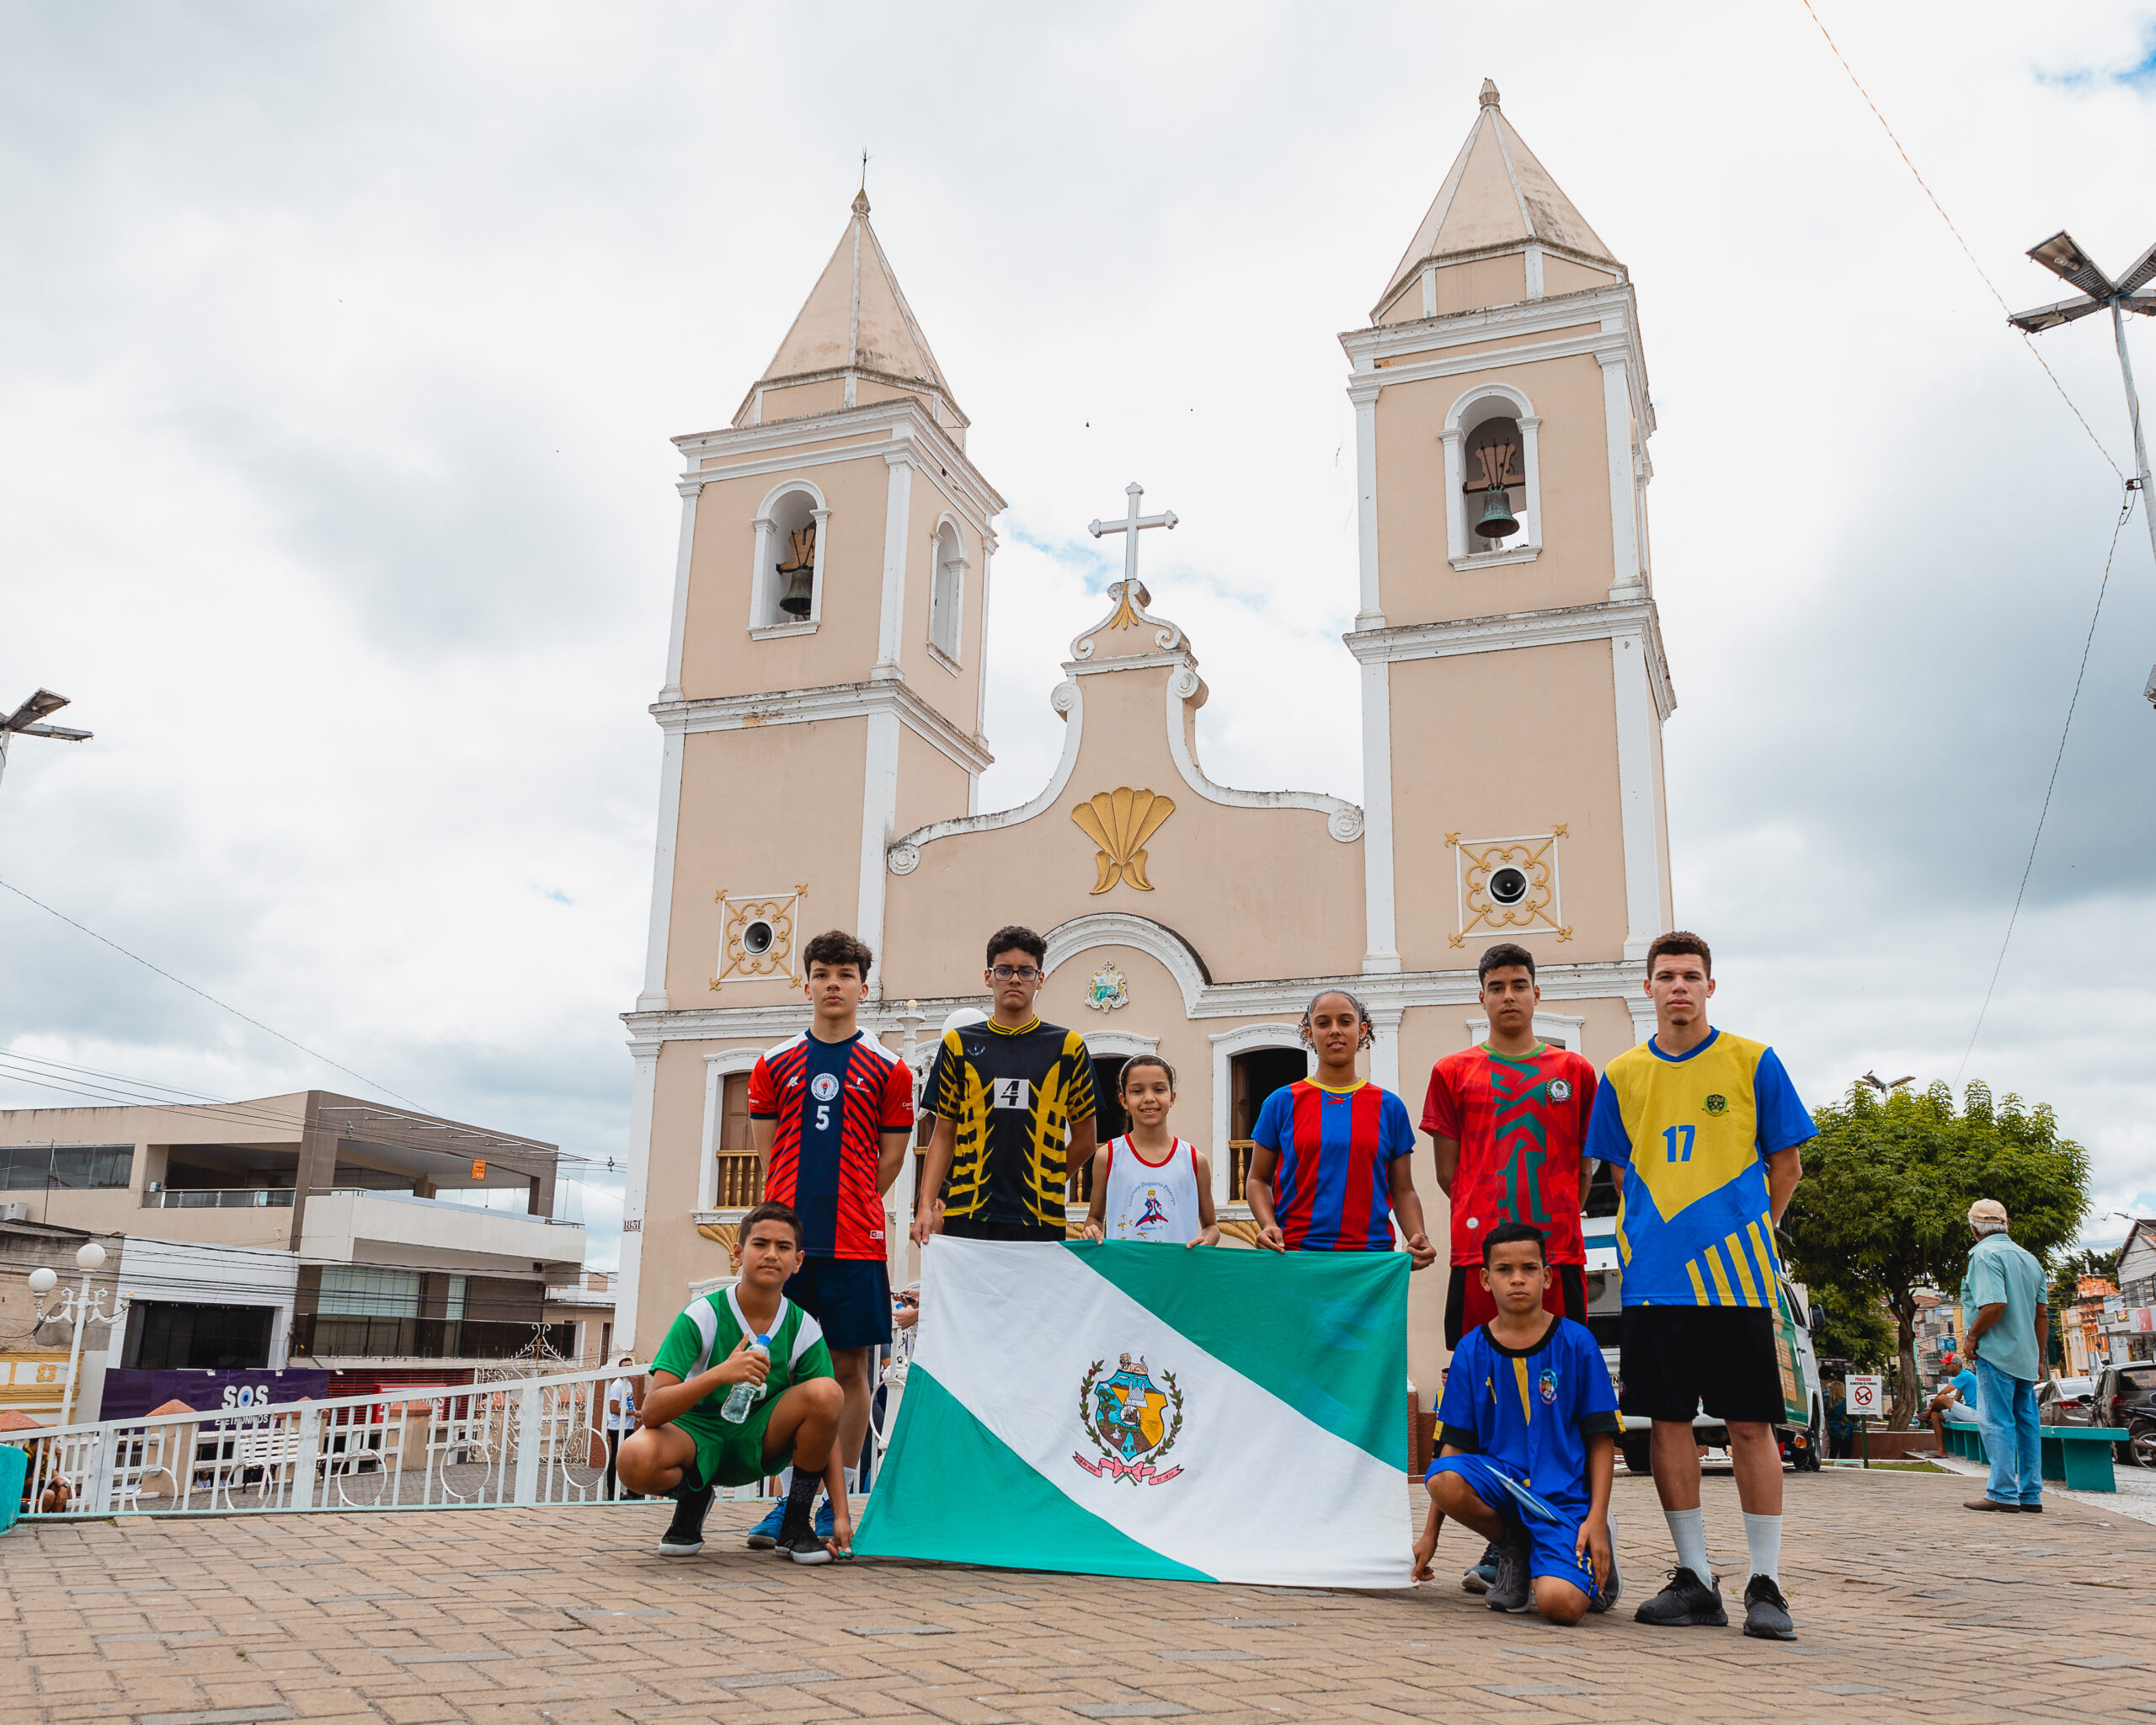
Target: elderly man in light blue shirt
(2008,1321)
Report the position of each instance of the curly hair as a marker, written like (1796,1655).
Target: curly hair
(1362,1013)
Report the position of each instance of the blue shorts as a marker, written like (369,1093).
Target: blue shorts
(850,1298)
(1554,1543)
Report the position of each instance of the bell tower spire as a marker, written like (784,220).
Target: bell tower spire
(1501,426)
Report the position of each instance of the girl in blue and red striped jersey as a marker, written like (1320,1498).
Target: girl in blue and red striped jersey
(1334,1155)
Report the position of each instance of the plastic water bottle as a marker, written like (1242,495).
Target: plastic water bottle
(745,1395)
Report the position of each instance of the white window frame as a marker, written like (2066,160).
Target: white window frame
(763,600)
(1459,427)
(1556,1029)
(717,1068)
(951,658)
(1227,1045)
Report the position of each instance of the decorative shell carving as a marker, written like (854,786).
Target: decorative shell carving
(1119,822)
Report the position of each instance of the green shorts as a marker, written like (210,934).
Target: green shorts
(728,1455)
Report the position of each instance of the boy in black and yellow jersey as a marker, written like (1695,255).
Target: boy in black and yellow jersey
(1006,1094)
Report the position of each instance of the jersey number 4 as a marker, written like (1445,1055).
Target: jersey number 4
(1679,1141)
(1010,1093)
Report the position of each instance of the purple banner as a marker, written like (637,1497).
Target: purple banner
(130,1394)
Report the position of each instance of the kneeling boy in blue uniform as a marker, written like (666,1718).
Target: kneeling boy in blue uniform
(1529,1421)
(749,1336)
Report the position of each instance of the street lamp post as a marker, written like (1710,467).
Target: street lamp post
(80,1307)
(28,720)
(2133,291)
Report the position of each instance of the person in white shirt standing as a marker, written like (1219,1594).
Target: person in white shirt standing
(1150,1184)
(621,1420)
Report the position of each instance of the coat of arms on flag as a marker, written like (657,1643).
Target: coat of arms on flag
(1129,1418)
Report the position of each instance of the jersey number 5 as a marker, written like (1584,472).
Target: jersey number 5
(1009,1094)
(823,1117)
(1679,1141)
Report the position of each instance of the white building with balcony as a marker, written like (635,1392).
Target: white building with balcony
(305,1229)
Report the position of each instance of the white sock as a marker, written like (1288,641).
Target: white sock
(853,1482)
(1688,1532)
(1762,1537)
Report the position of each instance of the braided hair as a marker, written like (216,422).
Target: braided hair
(1362,1013)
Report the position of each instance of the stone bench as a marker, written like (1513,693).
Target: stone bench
(2076,1456)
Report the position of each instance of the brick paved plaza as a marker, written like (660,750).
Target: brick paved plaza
(1908,1607)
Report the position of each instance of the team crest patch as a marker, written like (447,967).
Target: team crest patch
(1561,1090)
(824,1086)
(1133,1422)
(1717,1104)
(1548,1384)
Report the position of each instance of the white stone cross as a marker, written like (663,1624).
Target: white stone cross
(1129,526)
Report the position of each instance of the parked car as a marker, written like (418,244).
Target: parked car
(2125,1395)
(2064,1401)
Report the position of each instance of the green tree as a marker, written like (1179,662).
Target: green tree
(1883,1208)
(1853,1327)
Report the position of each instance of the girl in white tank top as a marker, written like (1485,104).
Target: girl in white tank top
(1151,1184)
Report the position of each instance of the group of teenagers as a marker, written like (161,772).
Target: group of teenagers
(1703,1130)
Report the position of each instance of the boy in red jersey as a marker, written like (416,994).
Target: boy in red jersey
(1508,1119)
(830,1113)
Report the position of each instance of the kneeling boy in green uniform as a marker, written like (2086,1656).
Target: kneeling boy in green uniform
(699,1431)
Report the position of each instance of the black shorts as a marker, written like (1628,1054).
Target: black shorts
(976,1228)
(850,1298)
(1673,1359)
(1469,1303)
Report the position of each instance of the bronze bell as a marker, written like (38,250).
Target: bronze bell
(799,585)
(1498,521)
(800,572)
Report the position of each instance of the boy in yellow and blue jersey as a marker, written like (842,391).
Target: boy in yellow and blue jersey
(1706,1129)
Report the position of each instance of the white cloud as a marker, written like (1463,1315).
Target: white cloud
(342,349)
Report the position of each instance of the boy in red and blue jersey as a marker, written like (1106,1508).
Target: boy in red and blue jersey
(831,1113)
(1334,1155)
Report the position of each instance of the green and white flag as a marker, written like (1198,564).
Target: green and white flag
(1125,1408)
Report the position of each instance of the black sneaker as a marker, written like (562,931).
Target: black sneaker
(1684,1602)
(684,1534)
(1477,1579)
(1766,1612)
(1513,1590)
(1610,1588)
(796,1537)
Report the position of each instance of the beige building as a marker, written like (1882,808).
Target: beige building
(306,1228)
(823,746)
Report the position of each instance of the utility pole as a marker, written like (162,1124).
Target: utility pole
(2131,292)
(28,720)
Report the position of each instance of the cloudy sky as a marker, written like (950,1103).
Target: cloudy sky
(339,347)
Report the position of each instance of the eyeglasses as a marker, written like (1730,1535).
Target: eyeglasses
(1014,973)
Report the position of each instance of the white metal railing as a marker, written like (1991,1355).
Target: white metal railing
(459,1446)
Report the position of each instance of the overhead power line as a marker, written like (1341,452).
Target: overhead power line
(2103,587)
(222,1005)
(1982,275)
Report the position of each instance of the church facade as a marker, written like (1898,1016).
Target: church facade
(830,619)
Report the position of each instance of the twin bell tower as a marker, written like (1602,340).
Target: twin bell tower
(823,727)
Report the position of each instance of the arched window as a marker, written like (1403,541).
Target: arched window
(786,585)
(946,592)
(1490,454)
